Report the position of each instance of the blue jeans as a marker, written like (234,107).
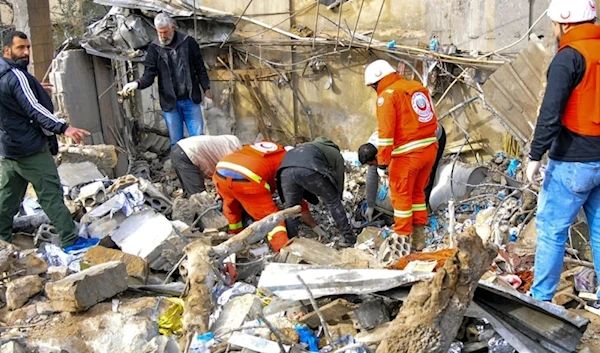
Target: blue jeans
(186,111)
(567,187)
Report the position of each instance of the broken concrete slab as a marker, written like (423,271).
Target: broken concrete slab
(73,174)
(235,313)
(312,251)
(103,156)
(105,227)
(333,312)
(82,290)
(21,289)
(371,313)
(137,268)
(355,258)
(151,236)
(327,280)
(12,347)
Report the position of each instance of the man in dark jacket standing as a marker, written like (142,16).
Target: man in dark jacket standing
(310,170)
(176,59)
(27,136)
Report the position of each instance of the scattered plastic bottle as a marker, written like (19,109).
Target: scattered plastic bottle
(202,343)
(434,44)
(391,44)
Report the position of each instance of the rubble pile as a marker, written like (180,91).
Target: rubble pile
(166,277)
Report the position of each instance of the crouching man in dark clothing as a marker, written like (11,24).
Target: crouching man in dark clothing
(310,170)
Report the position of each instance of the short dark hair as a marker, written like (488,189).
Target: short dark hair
(367,153)
(10,36)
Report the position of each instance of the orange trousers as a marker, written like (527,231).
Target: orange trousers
(409,174)
(239,195)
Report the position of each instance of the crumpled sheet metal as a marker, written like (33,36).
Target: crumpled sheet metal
(173,7)
(326,280)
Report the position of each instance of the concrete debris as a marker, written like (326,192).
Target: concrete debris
(30,263)
(74,174)
(20,290)
(137,268)
(333,312)
(372,313)
(12,347)
(151,236)
(103,156)
(92,194)
(311,251)
(235,313)
(56,273)
(82,290)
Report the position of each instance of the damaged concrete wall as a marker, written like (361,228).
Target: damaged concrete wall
(346,112)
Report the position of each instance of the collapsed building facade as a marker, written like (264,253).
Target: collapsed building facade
(290,71)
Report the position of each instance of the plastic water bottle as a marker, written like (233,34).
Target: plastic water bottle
(202,343)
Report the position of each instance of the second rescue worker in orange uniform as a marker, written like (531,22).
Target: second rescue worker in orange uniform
(245,179)
(407,145)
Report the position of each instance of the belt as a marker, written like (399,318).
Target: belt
(411,146)
(224,174)
(242,171)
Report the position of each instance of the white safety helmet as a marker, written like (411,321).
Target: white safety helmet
(377,70)
(572,11)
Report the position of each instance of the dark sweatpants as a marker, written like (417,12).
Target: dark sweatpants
(39,170)
(440,153)
(295,180)
(190,176)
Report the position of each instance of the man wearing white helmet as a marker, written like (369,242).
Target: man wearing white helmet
(569,128)
(407,145)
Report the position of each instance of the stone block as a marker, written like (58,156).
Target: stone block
(82,290)
(312,252)
(235,313)
(32,264)
(56,273)
(151,236)
(20,290)
(137,268)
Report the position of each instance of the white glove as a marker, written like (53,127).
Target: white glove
(320,232)
(208,103)
(533,169)
(130,87)
(383,176)
(369,213)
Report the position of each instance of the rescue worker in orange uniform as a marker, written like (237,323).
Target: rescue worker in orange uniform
(568,128)
(407,145)
(245,179)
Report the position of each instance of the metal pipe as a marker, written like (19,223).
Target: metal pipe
(356,24)
(337,37)
(235,24)
(316,23)
(376,23)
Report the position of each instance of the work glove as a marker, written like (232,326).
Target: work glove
(208,103)
(320,232)
(369,213)
(533,169)
(130,87)
(383,176)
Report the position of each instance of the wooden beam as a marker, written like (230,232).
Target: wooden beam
(254,74)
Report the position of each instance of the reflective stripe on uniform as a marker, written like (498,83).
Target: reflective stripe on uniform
(236,226)
(403,214)
(414,145)
(276,230)
(419,207)
(245,171)
(385,142)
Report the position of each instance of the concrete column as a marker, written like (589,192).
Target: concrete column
(33,18)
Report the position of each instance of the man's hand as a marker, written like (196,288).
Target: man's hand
(47,86)
(369,213)
(77,135)
(533,169)
(130,87)
(208,103)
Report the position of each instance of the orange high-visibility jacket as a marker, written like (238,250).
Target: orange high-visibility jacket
(582,113)
(258,162)
(406,118)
